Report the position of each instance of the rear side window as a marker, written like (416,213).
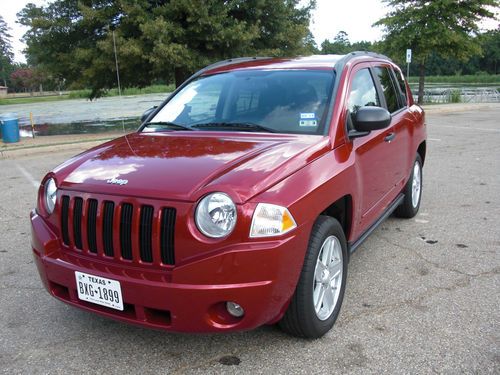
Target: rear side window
(363,92)
(391,93)
(402,86)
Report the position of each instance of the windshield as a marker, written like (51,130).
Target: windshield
(281,101)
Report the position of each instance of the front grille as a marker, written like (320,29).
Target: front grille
(121,230)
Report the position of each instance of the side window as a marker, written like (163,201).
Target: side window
(390,92)
(402,86)
(363,92)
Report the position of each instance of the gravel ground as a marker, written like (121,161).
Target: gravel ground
(422,294)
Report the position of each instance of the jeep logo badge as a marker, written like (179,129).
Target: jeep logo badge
(117,181)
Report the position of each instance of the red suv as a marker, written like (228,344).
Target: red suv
(239,200)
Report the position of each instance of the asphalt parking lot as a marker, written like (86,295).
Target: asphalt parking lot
(423,295)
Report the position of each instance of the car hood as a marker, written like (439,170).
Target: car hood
(186,165)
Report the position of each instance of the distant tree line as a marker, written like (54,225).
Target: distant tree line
(488,62)
(71,43)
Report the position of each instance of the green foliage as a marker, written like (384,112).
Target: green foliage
(6,54)
(157,39)
(443,27)
(341,45)
(440,26)
(455,96)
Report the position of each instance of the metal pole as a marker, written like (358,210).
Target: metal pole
(32,125)
(408,72)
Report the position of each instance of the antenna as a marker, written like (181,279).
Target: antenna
(118,77)
(116,63)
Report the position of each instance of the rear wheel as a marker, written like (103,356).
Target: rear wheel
(412,191)
(320,290)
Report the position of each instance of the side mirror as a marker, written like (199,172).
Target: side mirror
(147,112)
(367,119)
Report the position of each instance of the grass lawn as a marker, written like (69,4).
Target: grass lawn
(33,99)
(84,94)
(465,80)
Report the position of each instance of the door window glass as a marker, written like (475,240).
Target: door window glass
(402,86)
(390,92)
(363,92)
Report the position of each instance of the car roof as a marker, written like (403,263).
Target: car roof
(321,62)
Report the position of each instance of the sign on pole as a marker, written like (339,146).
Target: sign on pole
(408,56)
(408,61)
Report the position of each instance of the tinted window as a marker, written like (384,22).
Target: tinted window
(402,86)
(363,92)
(286,101)
(390,92)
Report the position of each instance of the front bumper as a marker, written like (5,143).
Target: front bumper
(176,300)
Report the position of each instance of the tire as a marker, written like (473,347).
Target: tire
(326,245)
(411,202)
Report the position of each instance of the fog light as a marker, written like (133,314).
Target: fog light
(234,309)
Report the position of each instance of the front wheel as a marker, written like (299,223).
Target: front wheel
(412,192)
(319,293)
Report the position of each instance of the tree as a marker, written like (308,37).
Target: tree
(490,43)
(6,54)
(157,39)
(443,27)
(339,46)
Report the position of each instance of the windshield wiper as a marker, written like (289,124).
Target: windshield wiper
(168,124)
(245,126)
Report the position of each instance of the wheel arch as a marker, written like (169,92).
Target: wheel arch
(341,210)
(421,150)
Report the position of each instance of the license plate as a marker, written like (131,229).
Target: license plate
(99,290)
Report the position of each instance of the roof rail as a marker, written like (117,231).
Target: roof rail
(232,61)
(368,53)
(339,66)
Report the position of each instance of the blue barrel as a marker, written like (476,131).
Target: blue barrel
(10,128)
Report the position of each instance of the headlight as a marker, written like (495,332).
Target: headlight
(216,215)
(50,190)
(271,220)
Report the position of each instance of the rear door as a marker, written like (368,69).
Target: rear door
(399,130)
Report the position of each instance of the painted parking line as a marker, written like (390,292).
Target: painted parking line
(469,128)
(28,176)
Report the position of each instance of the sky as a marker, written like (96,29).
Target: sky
(355,17)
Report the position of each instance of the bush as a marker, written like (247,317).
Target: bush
(455,96)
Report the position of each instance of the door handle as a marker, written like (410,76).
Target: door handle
(389,137)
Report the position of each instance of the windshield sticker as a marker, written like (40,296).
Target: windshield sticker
(308,116)
(308,123)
